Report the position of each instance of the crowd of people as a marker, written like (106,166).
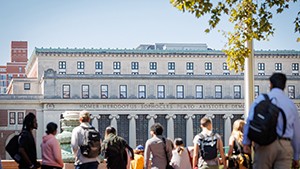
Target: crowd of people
(160,152)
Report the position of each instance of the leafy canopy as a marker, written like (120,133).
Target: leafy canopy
(251,20)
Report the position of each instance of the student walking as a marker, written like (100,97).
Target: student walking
(77,140)
(51,152)
(138,161)
(116,150)
(159,147)
(180,156)
(285,150)
(206,147)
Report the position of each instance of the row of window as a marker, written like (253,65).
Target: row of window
(161,93)
(62,65)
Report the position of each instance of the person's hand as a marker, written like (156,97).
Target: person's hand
(247,149)
(295,164)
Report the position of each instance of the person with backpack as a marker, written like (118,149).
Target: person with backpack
(116,150)
(180,156)
(235,151)
(284,147)
(27,146)
(51,152)
(85,143)
(159,147)
(207,145)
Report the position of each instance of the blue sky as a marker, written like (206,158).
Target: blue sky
(118,24)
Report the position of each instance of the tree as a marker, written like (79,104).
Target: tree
(251,19)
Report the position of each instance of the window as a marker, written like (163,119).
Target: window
(20,117)
(12,118)
(80,65)
(20,69)
(160,91)
(199,92)
(237,91)
(218,92)
(123,91)
(104,91)
(26,86)
(295,66)
(261,66)
(291,91)
(16,118)
(62,64)
(256,91)
(208,66)
(189,66)
(80,73)
(98,65)
(153,65)
(225,66)
(134,65)
(142,92)
(62,73)
(85,91)
(179,91)
(117,65)
(278,66)
(66,91)
(171,65)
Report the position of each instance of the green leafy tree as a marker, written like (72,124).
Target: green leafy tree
(251,20)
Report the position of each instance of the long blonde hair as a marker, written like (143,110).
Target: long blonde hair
(237,130)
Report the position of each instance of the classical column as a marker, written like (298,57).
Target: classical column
(113,121)
(189,129)
(132,130)
(150,122)
(95,122)
(227,130)
(170,123)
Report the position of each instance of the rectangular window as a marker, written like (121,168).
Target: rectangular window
(12,118)
(218,92)
(62,64)
(291,91)
(117,65)
(26,86)
(278,66)
(80,65)
(208,66)
(153,65)
(256,91)
(142,92)
(261,66)
(160,91)
(123,91)
(20,117)
(225,66)
(98,65)
(171,65)
(189,66)
(199,92)
(20,69)
(237,91)
(179,91)
(66,91)
(295,66)
(104,91)
(134,65)
(85,92)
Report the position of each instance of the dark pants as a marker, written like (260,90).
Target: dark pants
(50,167)
(91,165)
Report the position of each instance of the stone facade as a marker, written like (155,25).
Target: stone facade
(132,89)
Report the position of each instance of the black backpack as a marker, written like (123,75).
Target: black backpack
(262,129)
(12,148)
(208,146)
(91,146)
